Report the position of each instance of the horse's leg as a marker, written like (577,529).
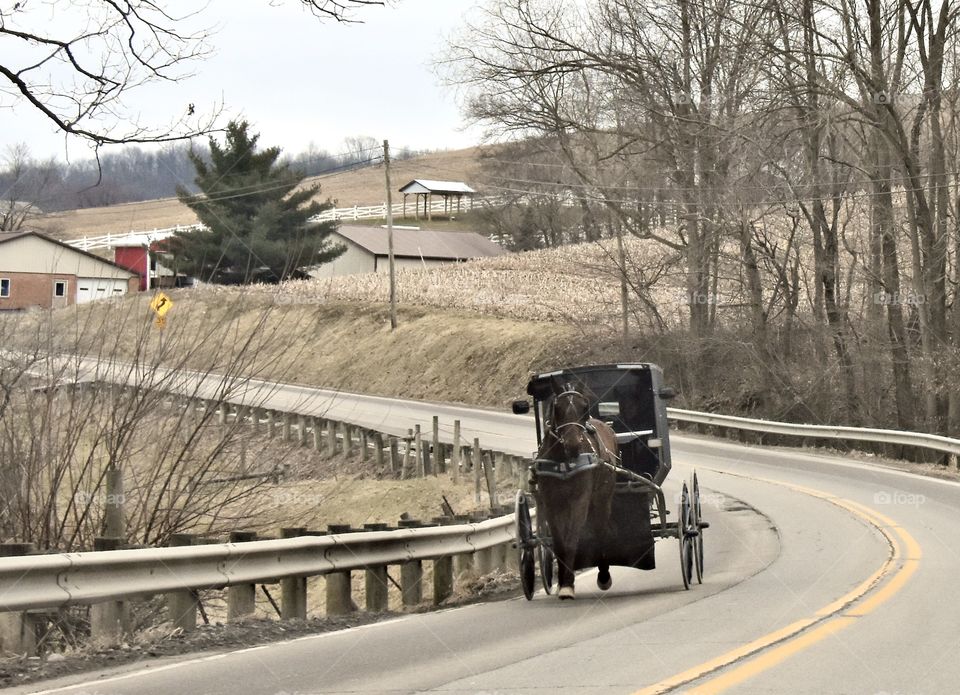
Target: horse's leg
(567,537)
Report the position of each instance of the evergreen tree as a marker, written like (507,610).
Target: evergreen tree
(257,223)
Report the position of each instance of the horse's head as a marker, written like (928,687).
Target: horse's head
(569,417)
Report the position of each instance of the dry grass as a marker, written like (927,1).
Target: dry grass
(363,186)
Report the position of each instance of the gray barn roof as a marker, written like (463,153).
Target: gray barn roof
(441,187)
(422,243)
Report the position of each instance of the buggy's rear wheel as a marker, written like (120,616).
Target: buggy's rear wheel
(685,532)
(525,544)
(698,538)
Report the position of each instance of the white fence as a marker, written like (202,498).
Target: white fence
(366,212)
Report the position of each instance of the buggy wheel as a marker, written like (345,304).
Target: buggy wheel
(546,568)
(525,543)
(545,556)
(685,533)
(697,518)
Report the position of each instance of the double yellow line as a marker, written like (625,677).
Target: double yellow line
(773,648)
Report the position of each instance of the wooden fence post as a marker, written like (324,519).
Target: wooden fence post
(455,457)
(476,457)
(438,463)
(113,521)
(419,469)
(487,462)
(242,598)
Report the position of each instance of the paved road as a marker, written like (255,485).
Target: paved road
(824,576)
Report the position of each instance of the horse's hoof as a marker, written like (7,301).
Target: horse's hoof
(604,581)
(566,592)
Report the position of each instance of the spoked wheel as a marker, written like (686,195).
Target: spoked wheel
(546,557)
(525,544)
(697,518)
(686,531)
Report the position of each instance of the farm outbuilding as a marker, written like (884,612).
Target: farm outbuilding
(452,192)
(367,249)
(37,271)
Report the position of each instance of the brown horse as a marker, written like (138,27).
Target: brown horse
(575,493)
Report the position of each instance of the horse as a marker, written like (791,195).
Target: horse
(573,492)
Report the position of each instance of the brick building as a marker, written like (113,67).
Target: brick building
(37,271)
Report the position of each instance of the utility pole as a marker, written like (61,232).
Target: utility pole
(393,279)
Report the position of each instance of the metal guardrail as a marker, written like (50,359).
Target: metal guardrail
(55,581)
(915,439)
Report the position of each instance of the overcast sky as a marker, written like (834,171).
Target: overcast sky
(299,80)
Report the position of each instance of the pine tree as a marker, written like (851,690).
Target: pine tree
(257,223)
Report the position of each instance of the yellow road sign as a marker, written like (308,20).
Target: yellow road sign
(160,322)
(161,304)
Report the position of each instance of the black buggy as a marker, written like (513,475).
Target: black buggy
(631,398)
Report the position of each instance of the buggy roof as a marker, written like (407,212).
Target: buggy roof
(589,377)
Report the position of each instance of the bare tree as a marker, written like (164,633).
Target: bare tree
(80,71)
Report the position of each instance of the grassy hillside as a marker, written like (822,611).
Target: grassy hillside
(364,186)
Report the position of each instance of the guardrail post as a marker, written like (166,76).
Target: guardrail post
(394,455)
(293,590)
(241,598)
(255,415)
(18,631)
(222,413)
(110,620)
(411,582)
(346,432)
(455,452)
(955,462)
(339,585)
(302,430)
(271,429)
(182,605)
(364,445)
(331,438)
(375,588)
(285,425)
(317,433)
(378,450)
(443,572)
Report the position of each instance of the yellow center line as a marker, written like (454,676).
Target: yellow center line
(777,646)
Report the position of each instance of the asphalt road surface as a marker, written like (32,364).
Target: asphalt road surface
(823,575)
